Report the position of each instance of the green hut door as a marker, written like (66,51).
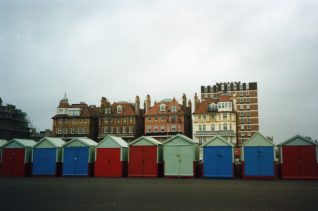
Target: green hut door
(179,161)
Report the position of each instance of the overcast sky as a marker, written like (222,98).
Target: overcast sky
(120,49)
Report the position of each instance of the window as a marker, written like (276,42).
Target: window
(162,107)
(248,127)
(241,100)
(248,113)
(224,126)
(212,127)
(234,86)
(61,121)
(173,108)
(228,87)
(242,120)
(213,116)
(248,100)
(204,117)
(173,128)
(59,131)
(162,117)
(118,120)
(111,130)
(248,107)
(119,109)
(249,134)
(60,111)
(108,110)
(156,117)
(242,113)
(249,120)
(131,129)
(247,93)
(224,115)
(106,120)
(242,127)
(222,105)
(73,130)
(124,129)
(199,116)
(118,130)
(204,127)
(247,86)
(149,129)
(156,128)
(132,119)
(222,87)
(200,127)
(241,86)
(241,94)
(242,134)
(124,120)
(173,117)
(241,106)
(105,130)
(149,118)
(80,130)
(162,128)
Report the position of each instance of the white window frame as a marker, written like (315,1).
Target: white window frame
(162,107)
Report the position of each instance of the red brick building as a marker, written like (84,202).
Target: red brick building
(75,120)
(122,119)
(167,118)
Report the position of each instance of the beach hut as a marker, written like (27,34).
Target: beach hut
(258,158)
(218,158)
(78,157)
(180,156)
(111,157)
(145,157)
(47,157)
(16,157)
(299,158)
(2,142)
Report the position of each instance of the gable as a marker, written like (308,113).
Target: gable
(45,144)
(143,142)
(178,141)
(297,141)
(108,143)
(75,144)
(14,144)
(258,140)
(217,142)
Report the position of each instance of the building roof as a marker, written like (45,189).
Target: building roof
(156,107)
(295,137)
(203,106)
(83,140)
(22,142)
(86,111)
(225,98)
(57,142)
(118,140)
(183,137)
(147,138)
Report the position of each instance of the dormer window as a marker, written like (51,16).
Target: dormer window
(162,107)
(60,111)
(173,108)
(119,109)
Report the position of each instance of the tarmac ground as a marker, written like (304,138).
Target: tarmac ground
(72,193)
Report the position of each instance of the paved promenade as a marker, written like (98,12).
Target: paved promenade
(155,194)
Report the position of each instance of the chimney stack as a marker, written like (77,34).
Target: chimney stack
(148,103)
(184,100)
(196,102)
(137,105)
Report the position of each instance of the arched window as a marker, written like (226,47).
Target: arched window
(119,109)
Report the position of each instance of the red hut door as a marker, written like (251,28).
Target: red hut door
(13,162)
(299,161)
(143,161)
(108,162)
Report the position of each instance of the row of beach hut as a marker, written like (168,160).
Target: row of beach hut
(146,157)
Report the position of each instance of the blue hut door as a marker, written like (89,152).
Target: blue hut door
(75,161)
(44,161)
(259,161)
(218,161)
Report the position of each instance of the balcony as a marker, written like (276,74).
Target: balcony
(215,133)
